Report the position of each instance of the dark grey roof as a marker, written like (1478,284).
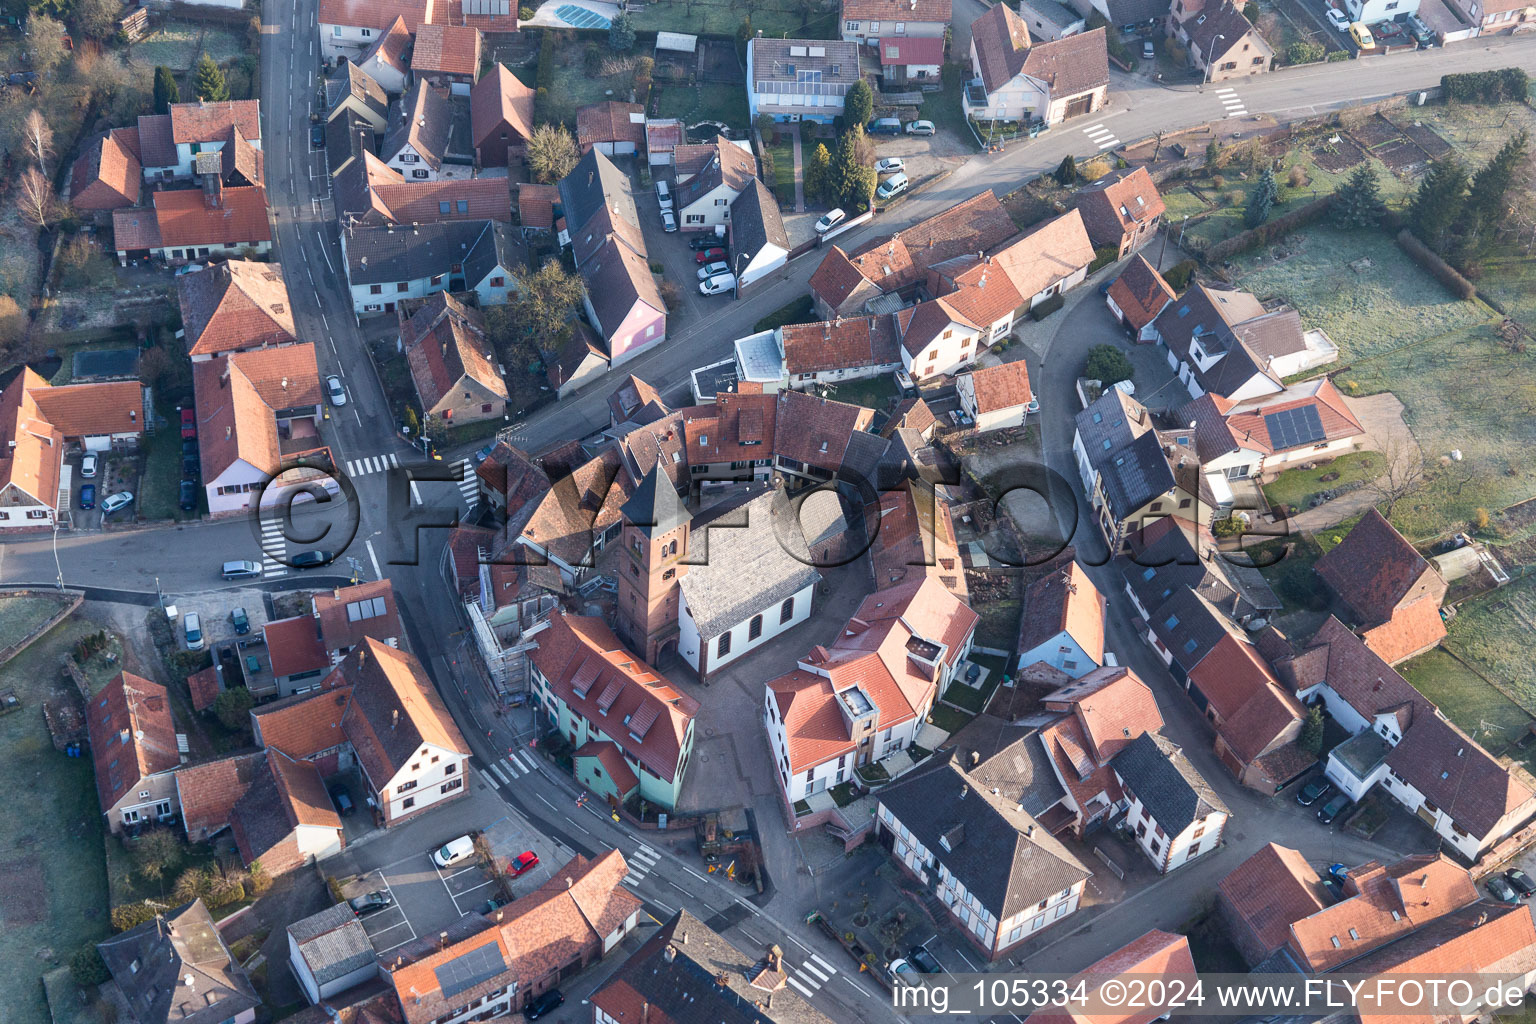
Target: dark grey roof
(862,457)
(497,246)
(747,568)
(1136,474)
(435,124)
(1171,563)
(1167,785)
(592,184)
(386,253)
(781,60)
(153,962)
(1012,758)
(655,508)
(1109,424)
(333,943)
(999,853)
(1224,321)
(346,139)
(755,221)
(1129,12)
(1189,626)
(349,80)
(691,975)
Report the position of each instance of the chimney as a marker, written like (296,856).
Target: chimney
(394,721)
(229,432)
(684,939)
(645,1011)
(670,953)
(963,791)
(775,958)
(975,758)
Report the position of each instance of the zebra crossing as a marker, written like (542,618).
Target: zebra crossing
(273,546)
(1233,105)
(811,975)
(515,764)
(641,863)
(469,484)
(1101,136)
(372,464)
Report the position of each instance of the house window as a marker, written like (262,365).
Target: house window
(375,289)
(408,803)
(462,205)
(420,173)
(933,354)
(723,645)
(485,408)
(901,27)
(786,610)
(946,335)
(1260,60)
(450,786)
(443,206)
(437,280)
(402,287)
(449,768)
(1157,506)
(754,628)
(497,282)
(668,574)
(408,158)
(966,343)
(405,787)
(1184,503)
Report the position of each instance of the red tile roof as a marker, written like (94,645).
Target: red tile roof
(343,623)
(445,343)
(295,646)
(1003,387)
(1064,600)
(78,410)
(205,688)
(1414,629)
(1001,41)
(500,98)
(1157,954)
(609,756)
(1113,707)
(814,727)
(208,792)
(610,121)
(1057,249)
(184,218)
(1255,709)
(582,653)
(908,50)
(1270,891)
(1376,571)
(447,49)
(536,205)
(233,305)
(916,536)
(210,122)
(1140,292)
(839,344)
(106,176)
(421,202)
(394,710)
(132,735)
(378,14)
(31,448)
(306,725)
(1117,204)
(912,11)
(237,397)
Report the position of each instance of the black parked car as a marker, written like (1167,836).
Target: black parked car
(1500,889)
(191,467)
(542,1004)
(343,802)
(370,902)
(313,559)
(317,137)
(188,500)
(1313,791)
(1521,881)
(702,242)
(924,961)
(1333,808)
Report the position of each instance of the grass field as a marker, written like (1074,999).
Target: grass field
(177,45)
(999,625)
(1366,310)
(783,184)
(53,882)
(1470,701)
(873,393)
(692,104)
(1295,487)
(1494,633)
(21,614)
(723,18)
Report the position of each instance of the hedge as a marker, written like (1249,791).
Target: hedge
(1269,232)
(1044,309)
(1337,55)
(131,915)
(1103,256)
(1443,272)
(1179,274)
(1499,86)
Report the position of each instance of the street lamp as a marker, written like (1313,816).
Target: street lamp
(1210,53)
(56,564)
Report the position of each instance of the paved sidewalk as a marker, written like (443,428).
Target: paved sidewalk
(794,138)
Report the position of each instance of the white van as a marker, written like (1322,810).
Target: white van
(718,284)
(894,185)
(461,848)
(194,627)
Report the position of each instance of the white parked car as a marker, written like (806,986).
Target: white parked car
(461,848)
(333,388)
(718,284)
(709,270)
(830,220)
(114,502)
(920,128)
(889,165)
(1338,19)
(194,626)
(668,221)
(88,465)
(892,186)
(664,195)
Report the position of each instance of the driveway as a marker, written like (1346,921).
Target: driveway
(1385,431)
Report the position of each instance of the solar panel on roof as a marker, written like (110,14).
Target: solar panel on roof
(1292,428)
(480,964)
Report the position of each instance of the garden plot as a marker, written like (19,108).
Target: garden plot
(1494,633)
(177,46)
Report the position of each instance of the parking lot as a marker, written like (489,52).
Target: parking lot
(671,250)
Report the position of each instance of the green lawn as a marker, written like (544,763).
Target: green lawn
(1295,487)
(53,881)
(575,88)
(795,311)
(949,719)
(21,614)
(1291,576)
(782,154)
(178,44)
(1495,634)
(872,393)
(1470,701)
(159,494)
(693,104)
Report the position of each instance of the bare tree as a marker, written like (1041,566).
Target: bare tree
(45,42)
(35,199)
(1401,476)
(39,135)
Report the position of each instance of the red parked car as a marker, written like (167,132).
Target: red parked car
(709,255)
(188,423)
(524,863)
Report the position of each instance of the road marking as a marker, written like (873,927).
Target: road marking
(374,559)
(493,770)
(527,759)
(816,972)
(492,780)
(808,993)
(819,960)
(1101,136)
(641,863)
(1229,99)
(469,486)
